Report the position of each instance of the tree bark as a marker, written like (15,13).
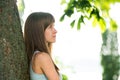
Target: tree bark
(13,60)
(110,58)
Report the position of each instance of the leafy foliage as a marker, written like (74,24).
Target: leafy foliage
(98,10)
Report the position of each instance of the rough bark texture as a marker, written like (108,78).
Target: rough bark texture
(13,60)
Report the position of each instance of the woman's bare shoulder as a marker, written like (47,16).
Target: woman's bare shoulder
(43,57)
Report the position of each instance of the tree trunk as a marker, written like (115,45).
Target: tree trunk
(13,60)
(110,58)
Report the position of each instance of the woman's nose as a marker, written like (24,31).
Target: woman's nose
(55,31)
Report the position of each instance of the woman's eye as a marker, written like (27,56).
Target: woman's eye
(51,26)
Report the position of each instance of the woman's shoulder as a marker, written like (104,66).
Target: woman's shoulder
(42,56)
(39,54)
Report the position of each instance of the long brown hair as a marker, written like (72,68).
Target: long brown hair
(34,29)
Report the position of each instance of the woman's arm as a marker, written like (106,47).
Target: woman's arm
(47,66)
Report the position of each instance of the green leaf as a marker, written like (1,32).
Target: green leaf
(62,17)
(69,12)
(78,24)
(102,25)
(64,77)
(21,5)
(95,12)
(94,23)
(113,25)
(84,4)
(72,23)
(63,2)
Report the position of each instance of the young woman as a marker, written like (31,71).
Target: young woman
(39,34)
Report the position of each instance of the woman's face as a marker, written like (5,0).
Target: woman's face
(50,33)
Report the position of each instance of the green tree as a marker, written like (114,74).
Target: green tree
(13,60)
(97,11)
(110,57)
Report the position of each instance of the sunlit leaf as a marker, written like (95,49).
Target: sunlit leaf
(21,5)
(92,13)
(102,25)
(105,6)
(62,17)
(78,24)
(95,22)
(113,25)
(95,12)
(72,23)
(64,77)
(80,20)
(63,2)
